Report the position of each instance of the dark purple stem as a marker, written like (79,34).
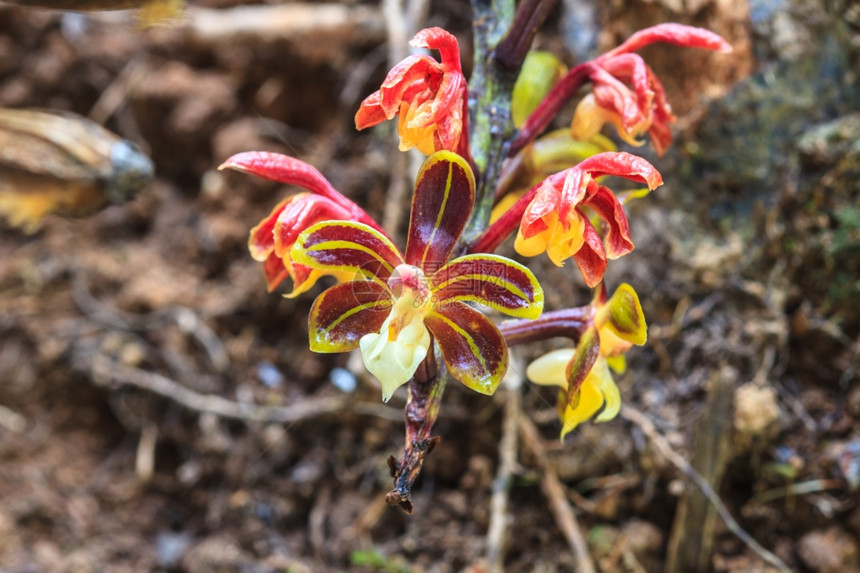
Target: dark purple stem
(422,409)
(550,106)
(512,50)
(568,323)
(490,240)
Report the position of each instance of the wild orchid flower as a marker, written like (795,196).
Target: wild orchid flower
(271,240)
(554,219)
(429,97)
(625,91)
(583,373)
(644,107)
(400,301)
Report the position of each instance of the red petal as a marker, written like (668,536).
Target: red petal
(677,34)
(576,183)
(444,42)
(612,94)
(547,200)
(344,313)
(608,208)
(661,136)
(448,98)
(633,69)
(443,199)
(405,80)
(289,170)
(261,240)
(622,164)
(370,112)
(275,271)
(591,258)
(473,348)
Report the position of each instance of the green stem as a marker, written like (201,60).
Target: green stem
(490,107)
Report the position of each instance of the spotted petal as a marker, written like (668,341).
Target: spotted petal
(443,199)
(491,280)
(473,348)
(344,313)
(347,247)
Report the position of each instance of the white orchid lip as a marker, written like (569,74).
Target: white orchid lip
(394,353)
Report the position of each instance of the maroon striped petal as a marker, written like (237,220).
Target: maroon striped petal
(473,348)
(443,199)
(490,280)
(347,246)
(344,313)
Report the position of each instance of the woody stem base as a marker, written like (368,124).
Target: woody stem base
(422,409)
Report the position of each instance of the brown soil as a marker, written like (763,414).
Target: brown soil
(99,474)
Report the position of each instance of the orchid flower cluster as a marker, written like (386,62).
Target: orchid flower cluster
(416,314)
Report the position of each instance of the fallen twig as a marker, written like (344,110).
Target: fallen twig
(499,518)
(339,23)
(692,538)
(108,372)
(555,493)
(643,423)
(800,488)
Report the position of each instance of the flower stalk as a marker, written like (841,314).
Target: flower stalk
(489,107)
(530,15)
(422,408)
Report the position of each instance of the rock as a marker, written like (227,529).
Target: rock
(756,409)
(830,551)
(642,537)
(216,555)
(170,547)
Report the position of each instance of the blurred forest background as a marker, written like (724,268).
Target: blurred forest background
(159,411)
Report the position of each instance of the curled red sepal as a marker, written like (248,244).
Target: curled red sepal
(625,90)
(642,107)
(271,241)
(554,221)
(429,97)
(672,33)
(398,300)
